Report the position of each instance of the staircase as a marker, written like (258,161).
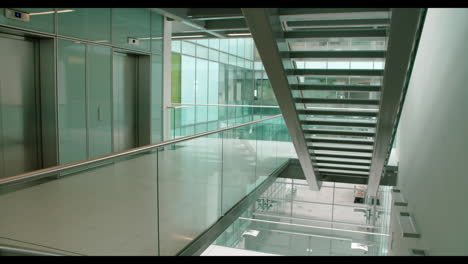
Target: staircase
(345,92)
(335,70)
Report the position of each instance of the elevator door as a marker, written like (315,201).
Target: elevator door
(124,89)
(19,151)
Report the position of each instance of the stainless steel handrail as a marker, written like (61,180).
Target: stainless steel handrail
(34,175)
(25,251)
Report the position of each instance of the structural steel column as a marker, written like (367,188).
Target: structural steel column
(402,45)
(266,30)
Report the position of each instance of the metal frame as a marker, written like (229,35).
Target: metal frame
(35,175)
(348,88)
(402,44)
(167,70)
(181,14)
(339,22)
(266,29)
(314,227)
(335,34)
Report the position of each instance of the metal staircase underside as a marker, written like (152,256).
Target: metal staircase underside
(339,76)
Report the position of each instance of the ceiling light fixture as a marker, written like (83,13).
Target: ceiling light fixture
(149,38)
(239,34)
(51,12)
(189,36)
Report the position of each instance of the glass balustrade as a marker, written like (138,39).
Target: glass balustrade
(289,219)
(154,202)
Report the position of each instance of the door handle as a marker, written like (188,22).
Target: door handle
(99,113)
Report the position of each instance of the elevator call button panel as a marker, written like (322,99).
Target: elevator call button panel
(17,15)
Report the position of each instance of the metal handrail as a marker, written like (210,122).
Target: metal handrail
(25,251)
(38,174)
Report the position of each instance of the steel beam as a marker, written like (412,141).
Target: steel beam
(335,174)
(266,29)
(345,173)
(337,123)
(181,15)
(309,11)
(405,29)
(342,168)
(207,13)
(337,112)
(340,141)
(347,88)
(301,34)
(338,22)
(352,157)
(322,161)
(226,24)
(339,132)
(336,101)
(341,149)
(347,54)
(334,72)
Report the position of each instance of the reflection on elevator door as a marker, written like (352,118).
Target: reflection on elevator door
(124,89)
(18,108)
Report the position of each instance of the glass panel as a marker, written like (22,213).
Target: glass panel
(223,58)
(157,31)
(188,48)
(312,210)
(131,23)
(348,214)
(71,93)
(266,151)
(187,89)
(232,46)
(240,47)
(100,103)
(175,45)
(213,43)
(214,55)
(213,87)
(156,98)
(202,52)
(41,19)
(303,193)
(224,45)
(374,43)
(86,23)
(239,147)
(190,190)
(203,42)
(201,93)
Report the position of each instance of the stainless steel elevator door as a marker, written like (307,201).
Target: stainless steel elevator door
(18,106)
(124,93)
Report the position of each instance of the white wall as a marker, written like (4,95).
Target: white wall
(433,130)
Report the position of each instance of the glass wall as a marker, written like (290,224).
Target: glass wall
(80,102)
(215,84)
